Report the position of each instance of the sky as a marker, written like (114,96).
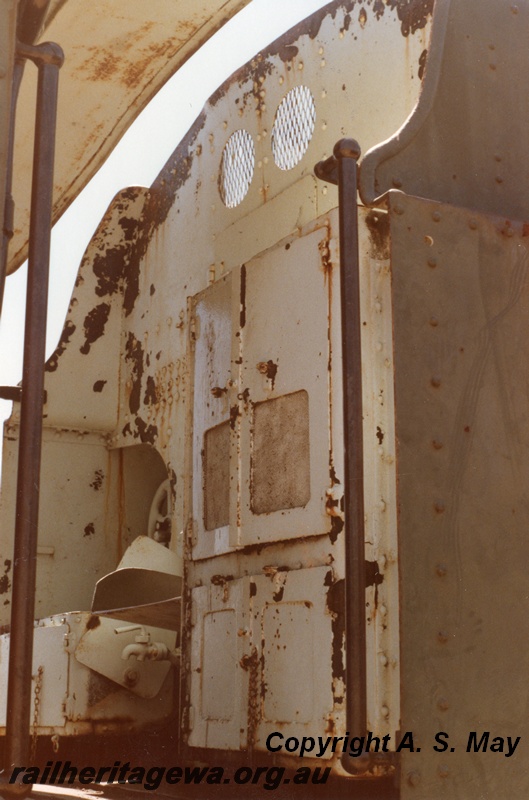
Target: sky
(153,136)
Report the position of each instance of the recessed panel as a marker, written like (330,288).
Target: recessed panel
(217,476)
(287,672)
(280,461)
(219,658)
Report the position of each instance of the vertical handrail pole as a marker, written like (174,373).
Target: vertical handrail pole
(48,58)
(341,168)
(347,153)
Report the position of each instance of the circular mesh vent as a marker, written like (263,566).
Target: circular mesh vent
(236,168)
(293,127)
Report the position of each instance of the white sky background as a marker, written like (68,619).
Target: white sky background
(137,160)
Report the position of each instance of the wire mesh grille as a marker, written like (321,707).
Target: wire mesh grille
(236,168)
(293,127)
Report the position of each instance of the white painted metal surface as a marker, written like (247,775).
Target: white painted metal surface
(189,314)
(75,700)
(117,57)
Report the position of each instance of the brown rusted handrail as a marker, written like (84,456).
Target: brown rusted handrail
(49,58)
(341,168)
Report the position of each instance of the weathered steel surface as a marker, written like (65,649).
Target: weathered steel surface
(75,700)
(461,304)
(189,315)
(48,58)
(118,56)
(454,147)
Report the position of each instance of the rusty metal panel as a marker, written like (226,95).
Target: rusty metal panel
(461,304)
(136,350)
(219,646)
(51,658)
(454,147)
(251,640)
(117,57)
(79,509)
(380,497)
(111,649)
(212,343)
(74,700)
(285,364)
(88,353)
(293,635)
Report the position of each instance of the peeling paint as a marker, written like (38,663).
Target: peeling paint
(422,63)
(117,268)
(99,386)
(5,583)
(89,529)
(234,413)
(147,433)
(98,480)
(337,525)
(373,576)
(413,14)
(172,481)
(94,325)
(93,622)
(336,605)
(151,396)
(53,361)
(378,226)
(134,354)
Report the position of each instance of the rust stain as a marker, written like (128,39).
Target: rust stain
(5,583)
(133,74)
(250,663)
(336,605)
(147,433)
(373,575)
(94,325)
(378,226)
(93,622)
(117,268)
(268,368)
(134,354)
(98,480)
(334,478)
(325,254)
(287,52)
(379,8)
(413,14)
(422,63)
(103,68)
(234,413)
(53,361)
(220,580)
(89,529)
(337,525)
(99,386)
(278,595)
(151,396)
